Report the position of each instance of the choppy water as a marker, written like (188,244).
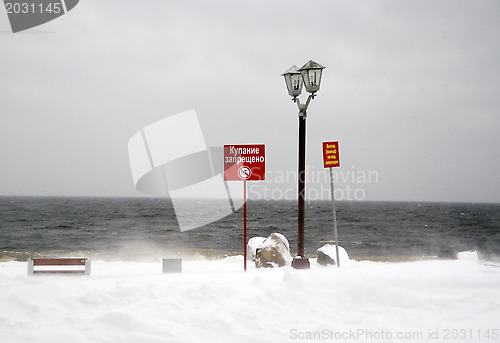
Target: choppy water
(136,228)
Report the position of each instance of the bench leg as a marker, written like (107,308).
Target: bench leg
(87,266)
(30,266)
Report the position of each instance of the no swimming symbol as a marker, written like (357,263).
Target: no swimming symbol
(25,14)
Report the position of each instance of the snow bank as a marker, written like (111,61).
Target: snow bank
(217,302)
(470,256)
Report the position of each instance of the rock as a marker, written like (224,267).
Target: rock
(325,259)
(252,245)
(273,252)
(327,255)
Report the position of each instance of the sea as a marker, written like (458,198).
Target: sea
(143,229)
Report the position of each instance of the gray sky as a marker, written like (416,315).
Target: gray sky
(411,91)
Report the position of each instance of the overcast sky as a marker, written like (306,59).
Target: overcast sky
(411,91)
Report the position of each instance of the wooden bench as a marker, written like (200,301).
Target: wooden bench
(59,265)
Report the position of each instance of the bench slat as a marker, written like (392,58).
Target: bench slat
(58,271)
(59,261)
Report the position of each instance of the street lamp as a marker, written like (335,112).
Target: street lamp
(310,75)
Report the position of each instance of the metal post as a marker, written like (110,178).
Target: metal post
(301,262)
(335,235)
(302,185)
(245,224)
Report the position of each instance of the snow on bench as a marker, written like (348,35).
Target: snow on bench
(59,265)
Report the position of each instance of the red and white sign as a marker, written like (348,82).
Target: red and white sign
(245,162)
(331,154)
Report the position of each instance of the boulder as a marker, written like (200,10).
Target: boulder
(327,255)
(252,245)
(273,252)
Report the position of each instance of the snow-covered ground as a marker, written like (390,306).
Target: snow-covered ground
(215,301)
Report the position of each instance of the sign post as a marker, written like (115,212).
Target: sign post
(330,160)
(245,163)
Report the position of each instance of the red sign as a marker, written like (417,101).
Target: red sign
(245,162)
(331,154)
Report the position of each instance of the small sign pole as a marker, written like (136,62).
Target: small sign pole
(335,235)
(245,225)
(244,162)
(331,159)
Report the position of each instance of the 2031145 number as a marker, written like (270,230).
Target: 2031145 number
(463,334)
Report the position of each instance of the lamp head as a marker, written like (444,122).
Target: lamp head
(293,81)
(311,75)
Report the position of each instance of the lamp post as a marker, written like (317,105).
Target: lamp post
(310,75)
